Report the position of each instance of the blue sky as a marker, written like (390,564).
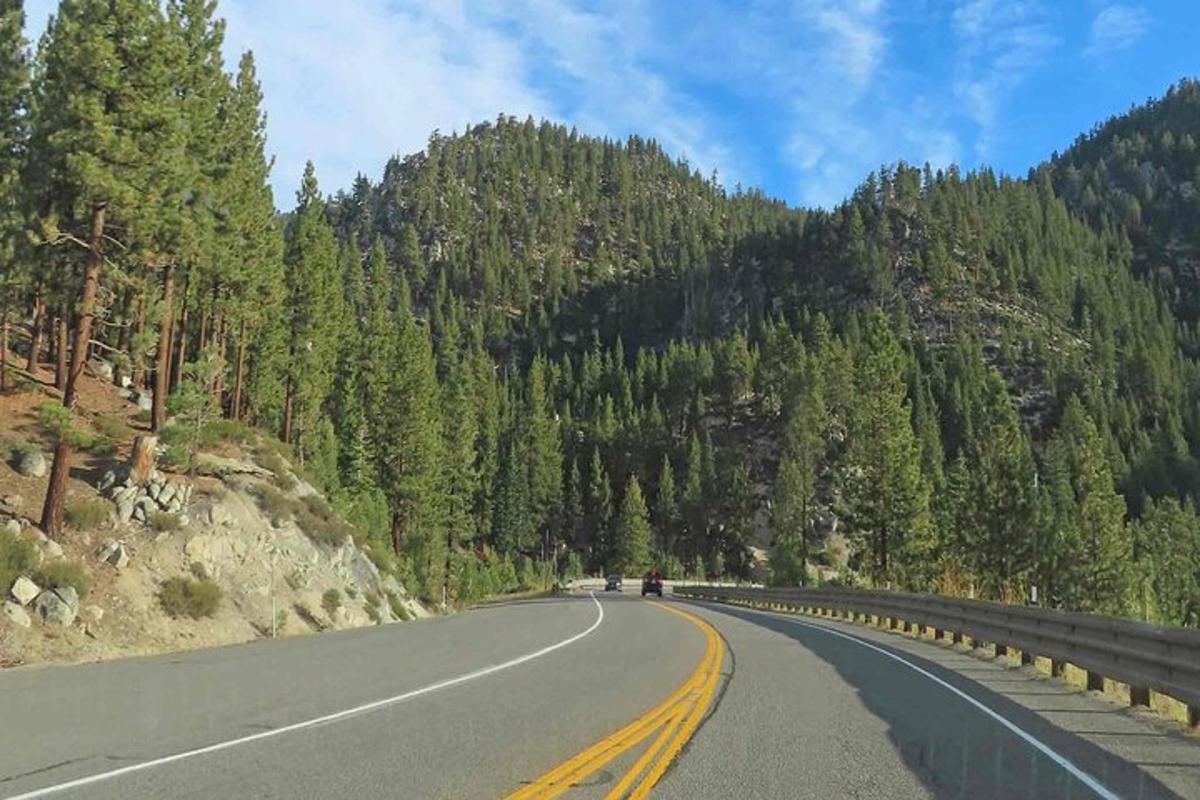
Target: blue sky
(799,97)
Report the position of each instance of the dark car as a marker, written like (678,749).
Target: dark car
(612,583)
(652,583)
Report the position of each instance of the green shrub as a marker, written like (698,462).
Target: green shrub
(397,607)
(177,457)
(323,530)
(18,556)
(113,427)
(181,596)
(295,580)
(55,574)
(304,613)
(226,430)
(87,513)
(373,614)
(273,462)
(274,502)
(331,601)
(199,571)
(163,521)
(142,415)
(382,557)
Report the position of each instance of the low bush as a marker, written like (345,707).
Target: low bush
(274,502)
(270,460)
(87,513)
(56,574)
(226,430)
(181,596)
(177,458)
(324,530)
(397,607)
(112,426)
(142,415)
(373,613)
(163,521)
(199,571)
(18,556)
(331,601)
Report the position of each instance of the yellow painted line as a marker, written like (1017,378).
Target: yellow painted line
(678,715)
(684,735)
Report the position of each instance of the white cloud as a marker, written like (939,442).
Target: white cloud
(998,43)
(1116,27)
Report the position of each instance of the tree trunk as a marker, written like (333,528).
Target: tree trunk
(56,491)
(236,407)
(288,402)
(35,335)
(219,378)
(181,351)
(4,350)
(158,408)
(203,340)
(142,458)
(60,349)
(139,368)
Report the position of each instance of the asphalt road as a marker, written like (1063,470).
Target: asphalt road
(484,703)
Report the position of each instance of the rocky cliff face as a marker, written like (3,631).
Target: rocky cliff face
(274,577)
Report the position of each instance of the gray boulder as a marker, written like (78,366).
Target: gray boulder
(125,510)
(17,615)
(13,526)
(56,609)
(13,500)
(115,553)
(24,590)
(144,401)
(52,549)
(31,463)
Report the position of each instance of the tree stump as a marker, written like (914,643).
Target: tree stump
(142,459)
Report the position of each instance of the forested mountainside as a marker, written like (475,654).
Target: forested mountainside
(526,345)
(1140,171)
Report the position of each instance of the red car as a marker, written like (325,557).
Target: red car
(652,583)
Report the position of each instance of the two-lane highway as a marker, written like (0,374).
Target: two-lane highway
(577,696)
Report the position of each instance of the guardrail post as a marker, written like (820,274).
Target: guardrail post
(1194,716)
(1001,650)
(1027,658)
(1057,668)
(1095,681)
(1139,696)
(956,638)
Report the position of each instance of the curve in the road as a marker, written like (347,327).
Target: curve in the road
(675,719)
(321,720)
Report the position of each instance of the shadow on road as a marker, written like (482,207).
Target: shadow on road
(955,749)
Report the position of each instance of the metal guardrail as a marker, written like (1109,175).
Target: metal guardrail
(1143,656)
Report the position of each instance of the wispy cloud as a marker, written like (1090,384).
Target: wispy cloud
(998,42)
(1116,27)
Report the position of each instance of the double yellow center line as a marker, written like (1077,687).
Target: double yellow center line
(675,720)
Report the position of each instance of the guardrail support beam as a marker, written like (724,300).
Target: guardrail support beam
(1057,667)
(1139,696)
(1095,681)
(1027,658)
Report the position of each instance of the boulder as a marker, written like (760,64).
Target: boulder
(13,500)
(217,515)
(125,510)
(54,609)
(139,513)
(17,615)
(167,496)
(52,549)
(68,596)
(13,526)
(93,613)
(155,490)
(144,401)
(102,369)
(107,482)
(114,553)
(31,464)
(24,590)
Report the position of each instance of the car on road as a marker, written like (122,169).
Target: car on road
(612,583)
(652,583)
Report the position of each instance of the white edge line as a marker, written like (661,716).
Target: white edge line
(335,717)
(1029,738)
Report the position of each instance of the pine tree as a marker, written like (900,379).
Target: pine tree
(100,109)
(886,495)
(544,449)
(666,509)
(313,307)
(14,101)
(632,532)
(600,511)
